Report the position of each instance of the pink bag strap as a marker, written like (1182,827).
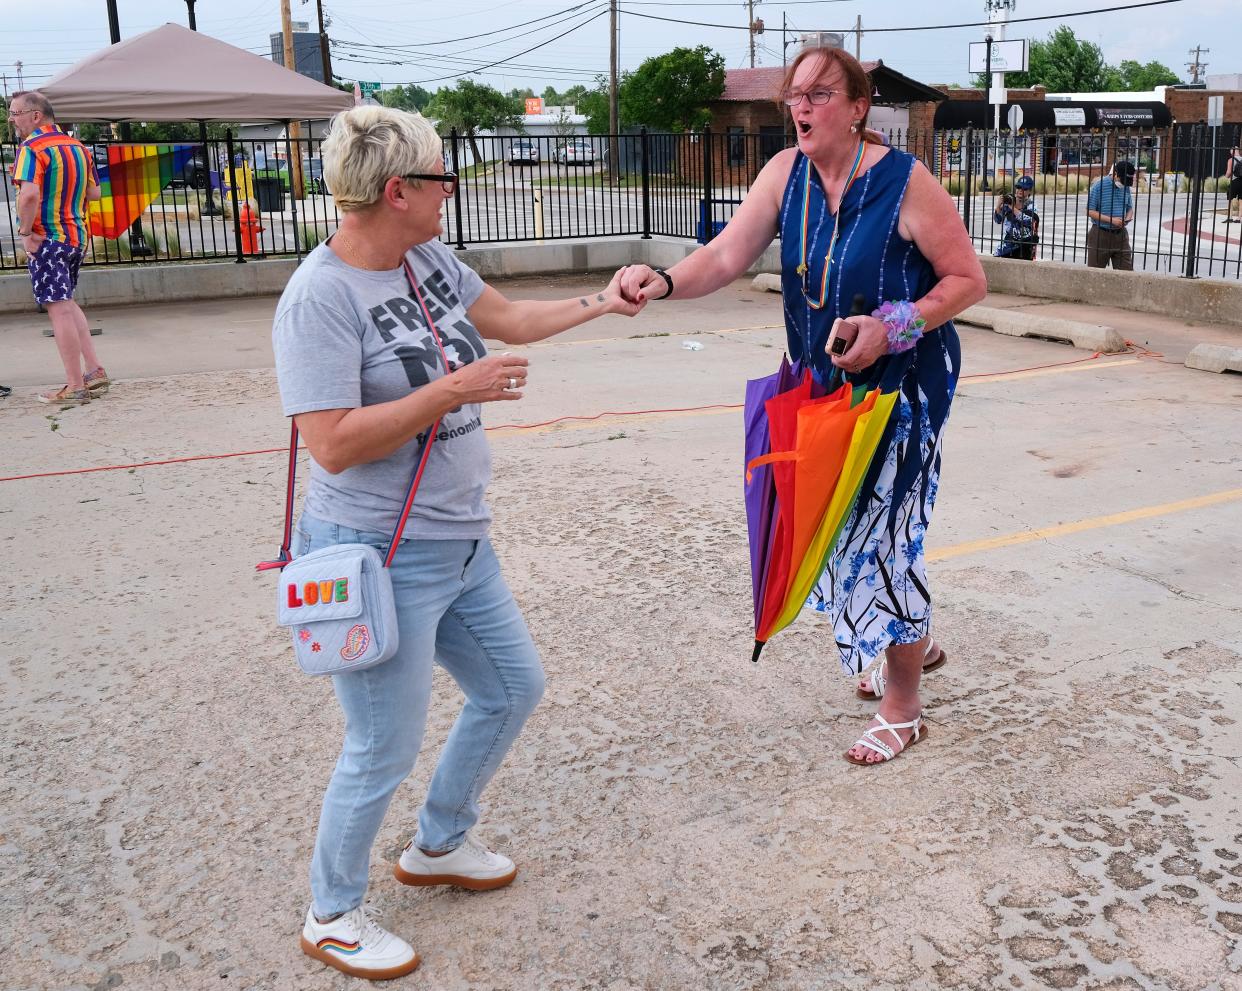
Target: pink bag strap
(285,556)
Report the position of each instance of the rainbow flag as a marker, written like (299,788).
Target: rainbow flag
(133,177)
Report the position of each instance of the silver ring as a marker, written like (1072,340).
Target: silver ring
(512,383)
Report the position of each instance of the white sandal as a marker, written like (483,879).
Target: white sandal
(876,745)
(878,679)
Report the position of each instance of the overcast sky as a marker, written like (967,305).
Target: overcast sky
(50,36)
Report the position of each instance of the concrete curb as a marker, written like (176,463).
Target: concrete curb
(1088,336)
(1201,300)
(125,285)
(1215,358)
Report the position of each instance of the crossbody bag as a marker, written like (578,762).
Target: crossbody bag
(337,602)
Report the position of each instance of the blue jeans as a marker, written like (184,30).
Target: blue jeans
(453,608)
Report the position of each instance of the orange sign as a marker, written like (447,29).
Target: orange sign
(534,104)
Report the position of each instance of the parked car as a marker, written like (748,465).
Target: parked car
(523,151)
(576,152)
(312,175)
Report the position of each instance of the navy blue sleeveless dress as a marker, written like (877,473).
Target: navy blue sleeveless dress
(874,589)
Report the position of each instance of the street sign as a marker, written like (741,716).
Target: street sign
(1015,118)
(367,89)
(1216,111)
(1007,56)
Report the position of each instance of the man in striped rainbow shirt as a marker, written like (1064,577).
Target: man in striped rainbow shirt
(56,178)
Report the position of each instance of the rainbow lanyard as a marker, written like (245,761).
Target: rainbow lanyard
(803,268)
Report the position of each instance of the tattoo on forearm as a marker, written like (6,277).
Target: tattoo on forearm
(600,297)
(584,303)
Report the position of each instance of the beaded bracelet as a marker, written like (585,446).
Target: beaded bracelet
(904,324)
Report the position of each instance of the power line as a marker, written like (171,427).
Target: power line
(458,75)
(918,27)
(469,37)
(404,50)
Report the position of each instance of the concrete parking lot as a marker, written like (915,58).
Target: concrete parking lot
(682,818)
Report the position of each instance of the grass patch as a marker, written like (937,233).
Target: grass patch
(639,337)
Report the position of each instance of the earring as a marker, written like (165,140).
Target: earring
(854,127)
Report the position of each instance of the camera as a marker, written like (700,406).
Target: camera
(1007,199)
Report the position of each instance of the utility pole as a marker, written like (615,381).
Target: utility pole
(1195,67)
(750,29)
(858,37)
(998,18)
(293,128)
(209,206)
(325,52)
(21,84)
(614,120)
(138,247)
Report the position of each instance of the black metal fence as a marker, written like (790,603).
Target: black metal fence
(682,185)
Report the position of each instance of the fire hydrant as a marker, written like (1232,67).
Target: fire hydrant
(249,226)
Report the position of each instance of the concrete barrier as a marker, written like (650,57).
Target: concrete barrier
(115,285)
(1205,300)
(1215,358)
(1088,336)
(1200,300)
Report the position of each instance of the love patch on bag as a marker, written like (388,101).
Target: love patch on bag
(338,605)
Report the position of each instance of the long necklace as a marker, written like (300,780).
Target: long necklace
(803,268)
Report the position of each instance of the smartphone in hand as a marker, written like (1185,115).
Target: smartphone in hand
(841,336)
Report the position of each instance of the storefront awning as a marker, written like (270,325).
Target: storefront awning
(1044,115)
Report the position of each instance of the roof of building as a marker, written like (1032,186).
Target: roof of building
(762,83)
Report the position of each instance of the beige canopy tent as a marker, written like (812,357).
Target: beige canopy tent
(175,74)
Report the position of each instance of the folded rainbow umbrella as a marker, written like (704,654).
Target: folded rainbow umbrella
(131,180)
(807,455)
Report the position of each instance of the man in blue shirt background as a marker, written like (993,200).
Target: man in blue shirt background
(1110,207)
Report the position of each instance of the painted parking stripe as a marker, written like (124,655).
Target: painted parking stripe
(1080,526)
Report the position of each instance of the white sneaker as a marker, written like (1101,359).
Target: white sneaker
(357,945)
(471,865)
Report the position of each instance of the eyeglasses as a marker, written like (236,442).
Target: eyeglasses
(818,97)
(447,180)
(18,113)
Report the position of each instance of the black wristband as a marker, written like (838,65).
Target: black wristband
(667,280)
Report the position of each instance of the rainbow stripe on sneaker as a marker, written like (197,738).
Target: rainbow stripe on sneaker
(339,946)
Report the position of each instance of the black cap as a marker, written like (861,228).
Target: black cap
(1124,171)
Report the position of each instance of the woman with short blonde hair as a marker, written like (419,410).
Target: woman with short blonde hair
(362,373)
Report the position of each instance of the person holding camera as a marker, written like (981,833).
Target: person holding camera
(1110,207)
(1019,219)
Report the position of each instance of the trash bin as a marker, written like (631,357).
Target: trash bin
(269,194)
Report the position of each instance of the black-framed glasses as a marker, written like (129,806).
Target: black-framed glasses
(447,180)
(818,97)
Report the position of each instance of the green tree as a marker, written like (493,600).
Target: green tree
(410,97)
(1062,64)
(471,107)
(593,103)
(1134,77)
(671,92)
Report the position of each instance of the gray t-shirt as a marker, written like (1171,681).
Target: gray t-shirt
(346,338)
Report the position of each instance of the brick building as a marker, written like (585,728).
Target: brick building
(749,126)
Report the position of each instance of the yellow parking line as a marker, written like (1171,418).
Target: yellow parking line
(658,333)
(609,421)
(1086,366)
(612,418)
(1091,523)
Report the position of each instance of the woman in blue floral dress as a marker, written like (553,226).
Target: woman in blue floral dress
(858,218)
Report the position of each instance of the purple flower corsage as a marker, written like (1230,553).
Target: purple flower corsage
(903,322)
